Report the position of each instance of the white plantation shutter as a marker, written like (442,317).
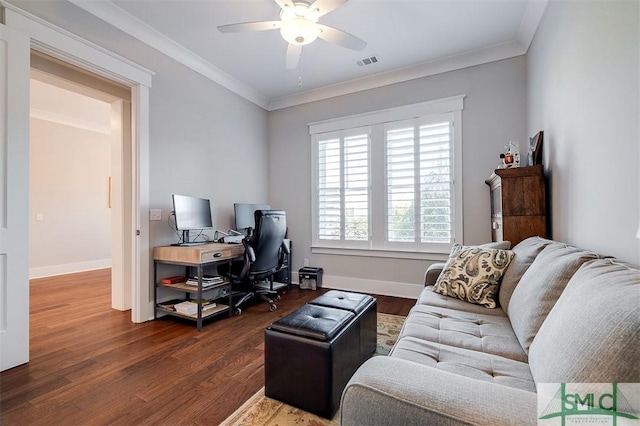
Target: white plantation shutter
(419,182)
(329,188)
(401,184)
(343,186)
(356,187)
(436,183)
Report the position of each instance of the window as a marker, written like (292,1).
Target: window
(389,181)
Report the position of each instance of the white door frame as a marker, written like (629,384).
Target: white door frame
(121,197)
(61,44)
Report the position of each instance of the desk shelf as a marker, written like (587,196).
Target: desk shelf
(192,288)
(220,308)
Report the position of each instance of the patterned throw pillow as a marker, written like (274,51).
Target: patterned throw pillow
(473,274)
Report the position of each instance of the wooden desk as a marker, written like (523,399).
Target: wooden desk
(195,257)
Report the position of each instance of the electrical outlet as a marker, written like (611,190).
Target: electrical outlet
(155,214)
(306,262)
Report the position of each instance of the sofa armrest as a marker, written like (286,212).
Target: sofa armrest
(432,274)
(387,390)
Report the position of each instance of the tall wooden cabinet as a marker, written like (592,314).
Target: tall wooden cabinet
(518,203)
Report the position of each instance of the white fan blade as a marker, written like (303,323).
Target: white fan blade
(322,7)
(341,38)
(250,27)
(293,55)
(284,3)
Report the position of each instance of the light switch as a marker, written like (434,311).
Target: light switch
(155,214)
(39,216)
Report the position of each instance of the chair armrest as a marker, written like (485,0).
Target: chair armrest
(249,253)
(432,274)
(249,258)
(388,390)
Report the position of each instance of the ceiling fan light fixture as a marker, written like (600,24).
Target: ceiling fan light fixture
(299,31)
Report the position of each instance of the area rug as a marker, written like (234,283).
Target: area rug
(262,411)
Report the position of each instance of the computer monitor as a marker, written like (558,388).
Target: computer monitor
(244,215)
(191,213)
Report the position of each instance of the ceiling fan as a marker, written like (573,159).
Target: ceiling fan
(299,26)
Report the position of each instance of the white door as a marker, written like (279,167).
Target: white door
(14,198)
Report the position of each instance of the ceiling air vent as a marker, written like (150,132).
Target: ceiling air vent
(367,61)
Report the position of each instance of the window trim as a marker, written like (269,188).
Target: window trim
(438,106)
(376,246)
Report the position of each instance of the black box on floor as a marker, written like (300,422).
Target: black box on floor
(310,278)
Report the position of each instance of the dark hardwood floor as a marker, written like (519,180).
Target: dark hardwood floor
(90,365)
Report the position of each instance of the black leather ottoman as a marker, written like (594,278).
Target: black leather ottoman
(364,307)
(310,357)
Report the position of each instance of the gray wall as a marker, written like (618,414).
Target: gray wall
(205,142)
(583,91)
(494,113)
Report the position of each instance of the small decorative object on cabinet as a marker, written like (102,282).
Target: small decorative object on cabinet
(518,203)
(535,149)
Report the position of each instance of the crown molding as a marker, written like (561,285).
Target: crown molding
(66,120)
(124,21)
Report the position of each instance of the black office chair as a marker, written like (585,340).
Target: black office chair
(264,254)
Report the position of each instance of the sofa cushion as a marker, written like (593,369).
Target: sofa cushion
(502,245)
(540,287)
(525,252)
(592,334)
(431,298)
(434,270)
(488,333)
(473,274)
(465,362)
(392,391)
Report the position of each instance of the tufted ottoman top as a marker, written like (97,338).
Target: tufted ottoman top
(316,322)
(354,302)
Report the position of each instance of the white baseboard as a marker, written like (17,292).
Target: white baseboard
(385,288)
(69,268)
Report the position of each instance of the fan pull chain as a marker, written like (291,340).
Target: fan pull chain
(300,69)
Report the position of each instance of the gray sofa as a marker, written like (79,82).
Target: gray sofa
(566,315)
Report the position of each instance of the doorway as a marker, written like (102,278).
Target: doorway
(20,33)
(80,174)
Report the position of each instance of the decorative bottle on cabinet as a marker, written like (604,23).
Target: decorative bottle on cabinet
(518,204)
